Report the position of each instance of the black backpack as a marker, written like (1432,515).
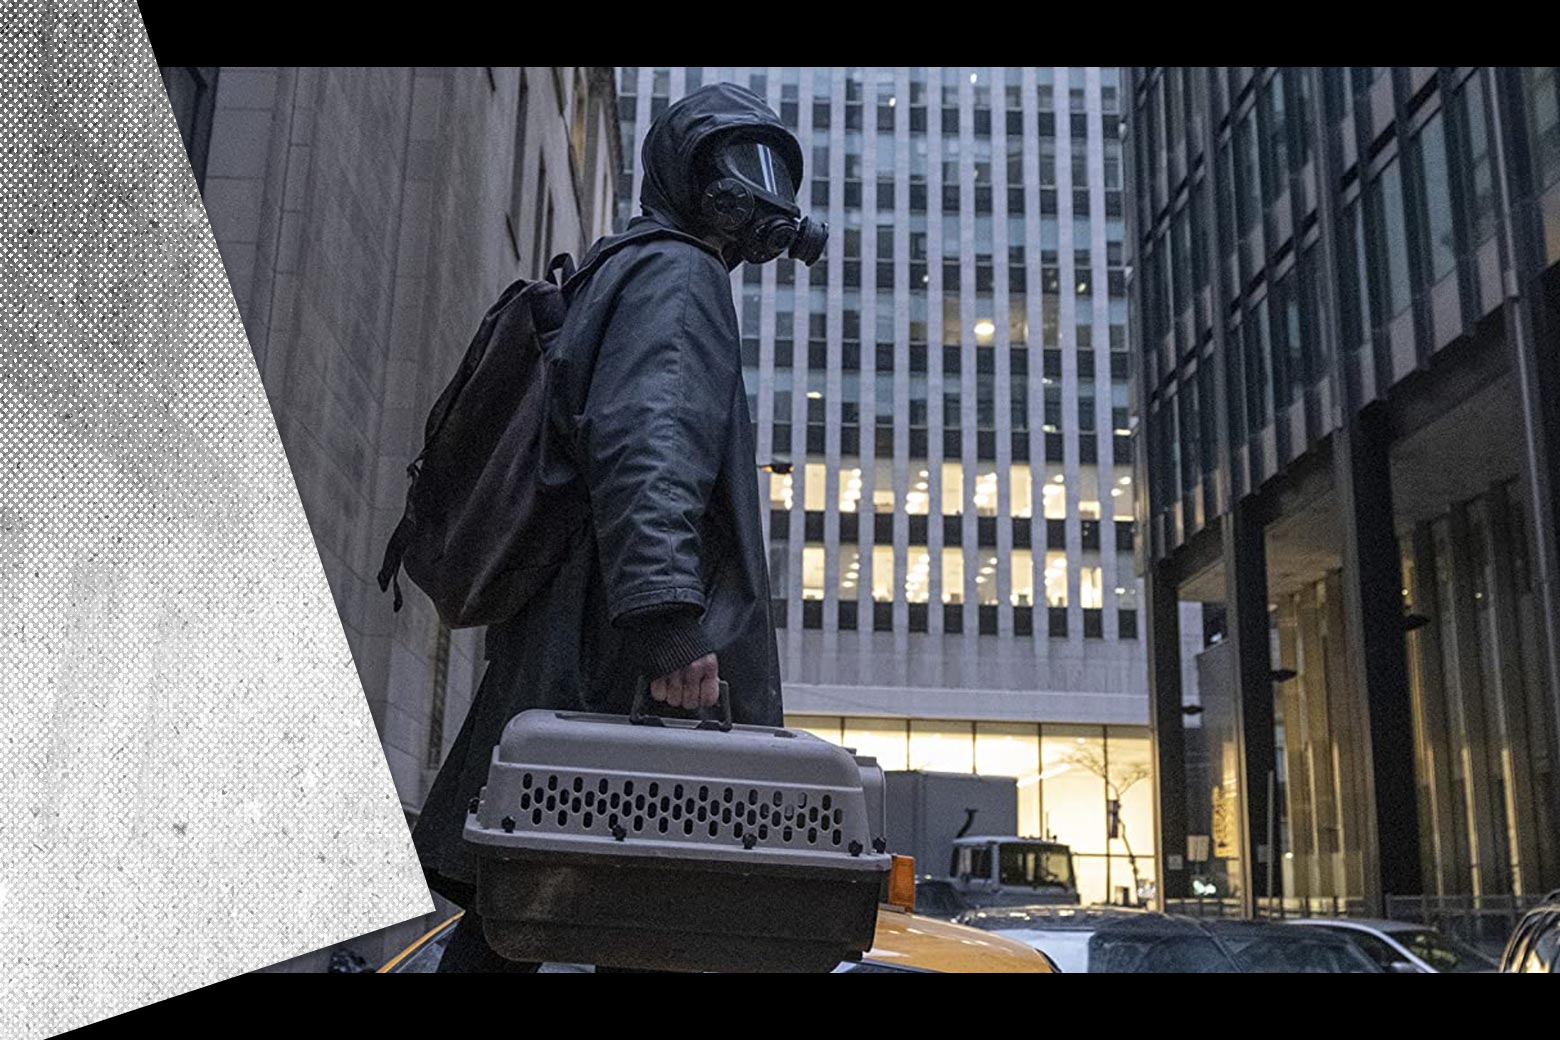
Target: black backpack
(481,533)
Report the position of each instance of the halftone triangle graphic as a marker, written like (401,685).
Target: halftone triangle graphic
(191,785)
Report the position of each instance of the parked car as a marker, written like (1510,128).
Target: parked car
(1119,939)
(1535,946)
(904,942)
(1107,939)
(1403,946)
(1262,947)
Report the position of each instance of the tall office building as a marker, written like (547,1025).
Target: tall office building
(1348,350)
(942,408)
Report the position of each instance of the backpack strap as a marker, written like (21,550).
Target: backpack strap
(560,269)
(607,246)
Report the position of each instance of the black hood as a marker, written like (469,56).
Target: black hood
(670,190)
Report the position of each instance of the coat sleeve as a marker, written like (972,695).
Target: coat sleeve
(652,439)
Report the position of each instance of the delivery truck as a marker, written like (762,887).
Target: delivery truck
(962,830)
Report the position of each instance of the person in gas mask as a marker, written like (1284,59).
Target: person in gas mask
(668,584)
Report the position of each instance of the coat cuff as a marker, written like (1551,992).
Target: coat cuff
(665,641)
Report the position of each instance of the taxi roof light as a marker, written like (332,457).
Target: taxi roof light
(901,883)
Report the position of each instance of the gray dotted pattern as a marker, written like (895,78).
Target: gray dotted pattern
(191,785)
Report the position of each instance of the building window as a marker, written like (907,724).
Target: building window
(1390,284)
(812,572)
(1439,247)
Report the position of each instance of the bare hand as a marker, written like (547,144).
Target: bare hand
(692,686)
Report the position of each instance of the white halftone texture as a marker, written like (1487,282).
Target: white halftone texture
(191,785)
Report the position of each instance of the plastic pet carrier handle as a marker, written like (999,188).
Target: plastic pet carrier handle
(640,714)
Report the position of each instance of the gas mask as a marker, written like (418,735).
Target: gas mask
(750,199)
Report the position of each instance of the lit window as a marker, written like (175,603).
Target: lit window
(985,332)
(1054,497)
(986,493)
(942,747)
(918,499)
(812,572)
(883,739)
(986,581)
(952,489)
(1123,502)
(781,491)
(850,571)
(850,488)
(918,575)
(1021,493)
(1022,577)
(883,573)
(953,575)
(1056,578)
(816,486)
(1090,590)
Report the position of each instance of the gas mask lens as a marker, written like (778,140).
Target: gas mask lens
(758,164)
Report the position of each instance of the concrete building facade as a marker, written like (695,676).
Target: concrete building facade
(941,410)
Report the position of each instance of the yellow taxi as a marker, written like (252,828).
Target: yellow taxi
(904,942)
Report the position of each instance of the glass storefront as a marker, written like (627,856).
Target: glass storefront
(1088,786)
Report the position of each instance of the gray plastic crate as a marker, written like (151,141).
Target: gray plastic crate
(674,846)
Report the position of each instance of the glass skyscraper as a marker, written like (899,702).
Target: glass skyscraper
(942,415)
(1347,321)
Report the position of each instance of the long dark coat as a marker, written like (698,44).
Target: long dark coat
(650,424)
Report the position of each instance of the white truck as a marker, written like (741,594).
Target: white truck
(962,831)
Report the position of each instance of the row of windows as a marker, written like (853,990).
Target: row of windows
(980,79)
(1019,572)
(1421,202)
(1053,446)
(918,530)
(848,617)
(874,491)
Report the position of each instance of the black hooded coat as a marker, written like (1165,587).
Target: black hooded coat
(649,427)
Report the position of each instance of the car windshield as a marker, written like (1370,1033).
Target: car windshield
(1117,951)
(1443,953)
(1314,954)
(1035,865)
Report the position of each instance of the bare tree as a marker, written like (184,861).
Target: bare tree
(1119,779)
